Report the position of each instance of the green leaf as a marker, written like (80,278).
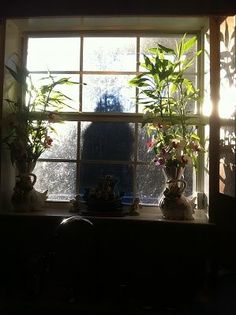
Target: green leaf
(166,49)
(187,45)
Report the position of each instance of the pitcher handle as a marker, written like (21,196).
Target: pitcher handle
(183,184)
(34,178)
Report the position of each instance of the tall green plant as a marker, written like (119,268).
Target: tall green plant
(28,134)
(166,91)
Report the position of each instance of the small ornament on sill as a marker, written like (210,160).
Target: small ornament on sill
(134,209)
(75,204)
(104,196)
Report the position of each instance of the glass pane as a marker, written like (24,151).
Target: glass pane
(143,140)
(91,173)
(207,104)
(71,91)
(59,54)
(112,92)
(109,54)
(206,164)
(151,183)
(107,141)
(58,178)
(189,176)
(227,107)
(64,145)
(170,42)
(191,107)
(227,160)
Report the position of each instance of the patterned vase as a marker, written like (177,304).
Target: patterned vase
(174,204)
(25,198)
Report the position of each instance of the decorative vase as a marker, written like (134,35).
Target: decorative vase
(174,204)
(25,198)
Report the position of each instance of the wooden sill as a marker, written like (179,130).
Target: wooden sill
(146,213)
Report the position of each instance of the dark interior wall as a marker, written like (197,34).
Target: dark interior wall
(226,232)
(155,261)
(71,7)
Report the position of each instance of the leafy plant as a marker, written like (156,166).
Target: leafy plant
(166,92)
(31,115)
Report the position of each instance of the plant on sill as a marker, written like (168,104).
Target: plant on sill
(29,123)
(29,133)
(166,92)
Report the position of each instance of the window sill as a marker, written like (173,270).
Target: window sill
(146,213)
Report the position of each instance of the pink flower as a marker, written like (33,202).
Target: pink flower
(194,146)
(159,161)
(175,144)
(159,125)
(48,142)
(150,144)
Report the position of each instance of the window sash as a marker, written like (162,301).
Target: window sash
(136,118)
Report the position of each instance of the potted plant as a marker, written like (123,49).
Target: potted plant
(28,134)
(166,92)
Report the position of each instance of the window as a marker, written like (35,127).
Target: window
(104,53)
(227,107)
(102,132)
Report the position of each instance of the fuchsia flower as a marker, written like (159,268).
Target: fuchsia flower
(48,142)
(150,144)
(159,125)
(159,161)
(194,146)
(175,144)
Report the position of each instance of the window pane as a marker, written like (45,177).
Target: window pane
(150,183)
(112,92)
(107,141)
(70,90)
(64,145)
(207,104)
(90,174)
(227,105)
(109,54)
(59,54)
(58,178)
(227,160)
(143,154)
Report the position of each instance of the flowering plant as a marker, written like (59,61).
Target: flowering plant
(29,121)
(166,93)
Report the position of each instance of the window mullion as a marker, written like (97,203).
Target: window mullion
(201,128)
(136,125)
(78,164)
